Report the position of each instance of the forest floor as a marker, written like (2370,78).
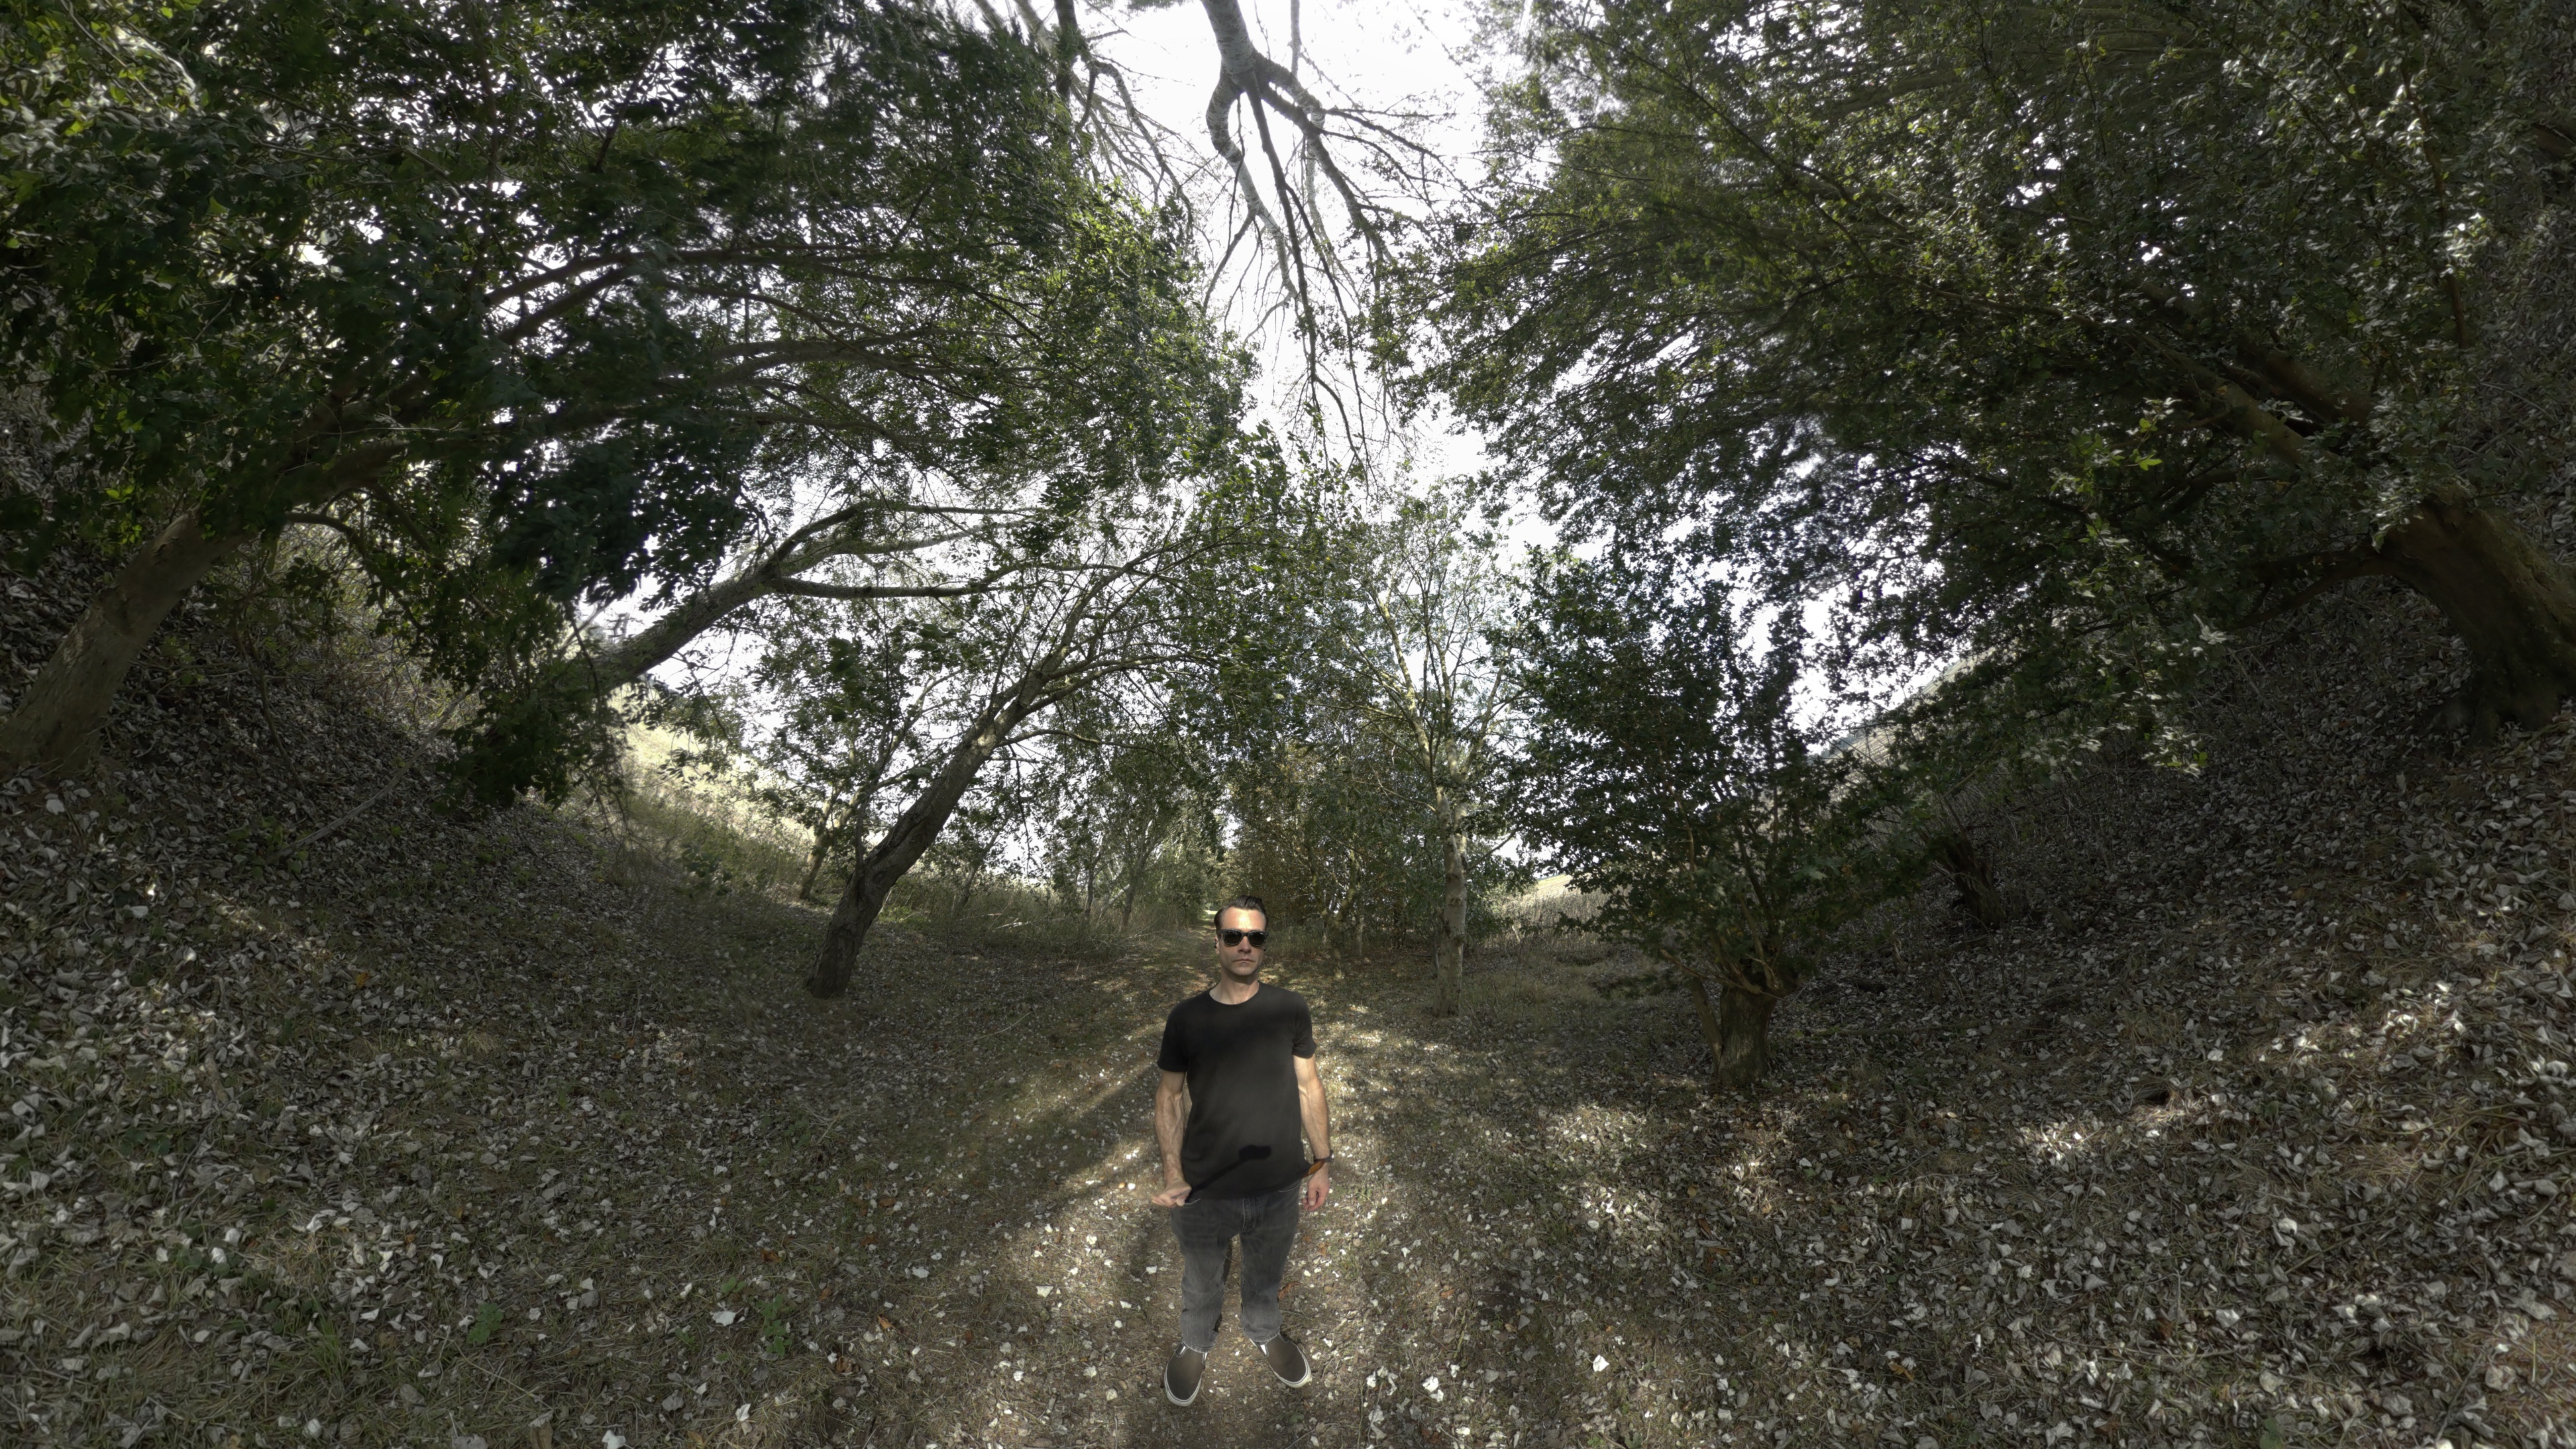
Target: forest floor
(338,1119)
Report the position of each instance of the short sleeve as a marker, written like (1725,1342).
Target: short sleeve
(1305,1043)
(1175,1057)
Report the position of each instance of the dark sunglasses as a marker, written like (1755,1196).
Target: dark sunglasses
(1237,938)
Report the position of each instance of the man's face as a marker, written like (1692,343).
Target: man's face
(1242,960)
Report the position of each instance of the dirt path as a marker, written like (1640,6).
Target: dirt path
(1442,1293)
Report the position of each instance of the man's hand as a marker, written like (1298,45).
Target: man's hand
(1319,1183)
(1173,1195)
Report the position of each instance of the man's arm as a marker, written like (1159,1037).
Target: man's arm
(1317,1117)
(1171,1114)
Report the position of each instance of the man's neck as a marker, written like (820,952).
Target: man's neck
(1232,992)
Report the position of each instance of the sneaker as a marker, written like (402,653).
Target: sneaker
(1182,1375)
(1288,1361)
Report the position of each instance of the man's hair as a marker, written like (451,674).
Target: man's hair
(1242,903)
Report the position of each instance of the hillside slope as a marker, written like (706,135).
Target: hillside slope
(429,1130)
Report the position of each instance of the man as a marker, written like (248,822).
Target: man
(1244,1054)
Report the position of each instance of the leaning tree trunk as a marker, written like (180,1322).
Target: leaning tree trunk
(58,719)
(1737,1027)
(624,662)
(813,870)
(1974,875)
(620,664)
(855,825)
(2509,601)
(911,834)
(1449,957)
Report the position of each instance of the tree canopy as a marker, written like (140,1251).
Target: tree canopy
(2049,336)
(583,254)
(552,288)
(1675,769)
(1912,388)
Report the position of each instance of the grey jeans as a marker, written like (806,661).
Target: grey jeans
(1267,1224)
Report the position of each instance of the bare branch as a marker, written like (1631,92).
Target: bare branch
(806,589)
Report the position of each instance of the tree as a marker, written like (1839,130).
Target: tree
(2048,336)
(544,294)
(1118,385)
(1667,771)
(829,721)
(1355,712)
(1136,604)
(973,849)
(1431,676)
(1135,802)
(1328,833)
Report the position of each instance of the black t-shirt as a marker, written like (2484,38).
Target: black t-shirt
(1244,1135)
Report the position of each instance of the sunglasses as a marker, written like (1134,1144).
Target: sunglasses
(1237,938)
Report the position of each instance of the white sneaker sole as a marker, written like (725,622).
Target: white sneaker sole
(1299,1382)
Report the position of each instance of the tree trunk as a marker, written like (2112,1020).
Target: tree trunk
(624,662)
(1449,956)
(1359,912)
(911,834)
(1737,1028)
(822,848)
(57,720)
(2509,601)
(1974,875)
